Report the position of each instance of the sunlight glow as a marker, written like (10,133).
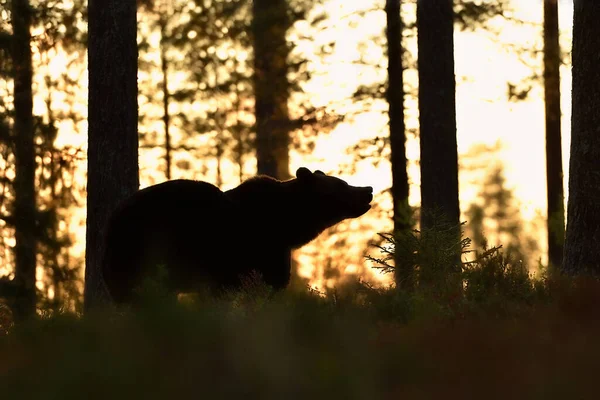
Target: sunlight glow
(484,65)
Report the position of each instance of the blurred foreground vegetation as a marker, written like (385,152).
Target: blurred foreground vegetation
(504,334)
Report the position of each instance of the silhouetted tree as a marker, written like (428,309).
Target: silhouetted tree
(468,16)
(582,243)
(270,22)
(496,204)
(554,171)
(207,111)
(212,101)
(437,112)
(112,132)
(164,69)
(58,26)
(395,99)
(58,161)
(162,99)
(24,184)
(57,196)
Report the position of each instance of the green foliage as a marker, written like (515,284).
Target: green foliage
(432,255)
(491,284)
(495,284)
(354,342)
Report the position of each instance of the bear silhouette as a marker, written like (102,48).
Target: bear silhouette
(211,239)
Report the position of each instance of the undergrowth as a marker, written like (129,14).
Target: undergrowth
(499,333)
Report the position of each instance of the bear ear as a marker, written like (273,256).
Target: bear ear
(303,172)
(319,172)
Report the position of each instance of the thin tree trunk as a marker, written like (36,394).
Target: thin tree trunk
(238,128)
(219,155)
(112,131)
(395,99)
(437,112)
(25,199)
(582,243)
(53,251)
(164,64)
(554,171)
(271,87)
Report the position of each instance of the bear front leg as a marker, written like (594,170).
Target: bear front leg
(276,268)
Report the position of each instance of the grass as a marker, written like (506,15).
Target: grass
(506,335)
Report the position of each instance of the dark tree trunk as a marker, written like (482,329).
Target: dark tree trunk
(437,112)
(582,243)
(112,132)
(271,87)
(554,171)
(395,99)
(238,130)
(164,65)
(25,199)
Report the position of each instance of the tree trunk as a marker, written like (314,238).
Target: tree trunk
(437,113)
(24,184)
(112,131)
(166,95)
(238,129)
(395,99)
(582,243)
(271,87)
(554,172)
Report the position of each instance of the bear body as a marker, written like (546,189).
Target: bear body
(210,239)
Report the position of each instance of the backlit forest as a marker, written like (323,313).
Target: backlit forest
(197,119)
(382,199)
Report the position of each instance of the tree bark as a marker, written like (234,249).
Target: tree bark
(271,87)
(554,172)
(395,99)
(24,184)
(437,113)
(112,132)
(582,243)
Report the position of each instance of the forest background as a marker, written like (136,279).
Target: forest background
(338,75)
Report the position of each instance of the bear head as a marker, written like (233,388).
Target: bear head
(322,201)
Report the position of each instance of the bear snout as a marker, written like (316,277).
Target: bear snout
(367,194)
(361,200)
